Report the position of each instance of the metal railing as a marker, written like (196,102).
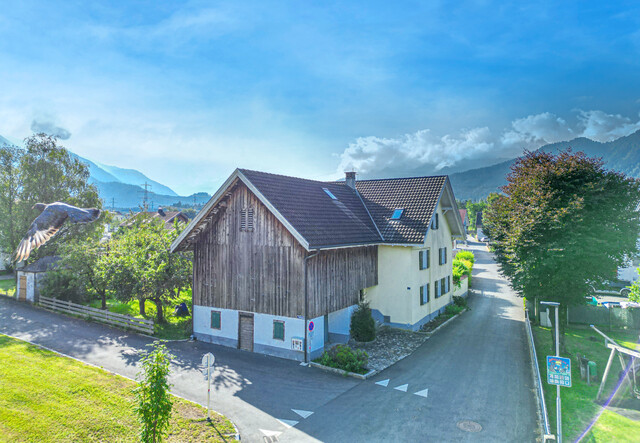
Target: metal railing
(534,357)
(110,318)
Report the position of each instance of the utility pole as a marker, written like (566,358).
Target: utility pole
(113,203)
(194,201)
(145,195)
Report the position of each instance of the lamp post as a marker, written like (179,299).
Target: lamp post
(558,401)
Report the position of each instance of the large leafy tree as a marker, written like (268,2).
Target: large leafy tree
(139,265)
(563,224)
(42,172)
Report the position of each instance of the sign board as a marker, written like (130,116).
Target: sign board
(559,371)
(311,326)
(208,360)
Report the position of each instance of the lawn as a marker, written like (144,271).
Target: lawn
(175,328)
(578,406)
(8,287)
(46,397)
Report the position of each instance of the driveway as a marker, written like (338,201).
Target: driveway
(476,369)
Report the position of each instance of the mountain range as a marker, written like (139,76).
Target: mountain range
(622,155)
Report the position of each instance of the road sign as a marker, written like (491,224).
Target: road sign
(311,326)
(207,361)
(559,371)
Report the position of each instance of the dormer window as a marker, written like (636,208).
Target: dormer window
(397,213)
(330,194)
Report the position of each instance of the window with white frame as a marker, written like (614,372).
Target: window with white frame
(424,259)
(424,294)
(438,288)
(435,224)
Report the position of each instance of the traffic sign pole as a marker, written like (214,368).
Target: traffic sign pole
(208,360)
(558,400)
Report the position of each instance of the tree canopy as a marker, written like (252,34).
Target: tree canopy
(563,224)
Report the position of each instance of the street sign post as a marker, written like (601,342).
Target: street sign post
(558,360)
(559,371)
(207,361)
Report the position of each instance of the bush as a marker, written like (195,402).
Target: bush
(466,255)
(363,327)
(63,286)
(343,357)
(459,301)
(453,309)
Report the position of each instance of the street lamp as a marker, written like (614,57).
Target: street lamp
(558,401)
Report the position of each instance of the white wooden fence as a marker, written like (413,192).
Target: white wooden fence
(111,318)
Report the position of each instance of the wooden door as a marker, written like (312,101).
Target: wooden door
(22,295)
(245,332)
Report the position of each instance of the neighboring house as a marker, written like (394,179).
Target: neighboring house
(275,256)
(465,220)
(479,231)
(30,278)
(168,217)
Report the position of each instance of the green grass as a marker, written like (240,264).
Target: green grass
(49,398)
(175,328)
(8,287)
(578,406)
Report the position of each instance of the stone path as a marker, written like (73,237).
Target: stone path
(389,346)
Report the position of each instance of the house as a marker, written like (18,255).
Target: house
(30,278)
(280,263)
(168,217)
(479,231)
(465,220)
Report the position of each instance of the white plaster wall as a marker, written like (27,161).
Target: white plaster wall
(464,286)
(228,322)
(263,330)
(30,287)
(340,321)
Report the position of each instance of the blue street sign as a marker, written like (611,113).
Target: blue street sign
(559,371)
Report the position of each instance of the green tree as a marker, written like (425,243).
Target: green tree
(563,223)
(153,399)
(42,172)
(140,266)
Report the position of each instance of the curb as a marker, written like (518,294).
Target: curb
(236,436)
(447,322)
(369,374)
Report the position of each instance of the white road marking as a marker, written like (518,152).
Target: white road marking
(384,383)
(422,393)
(302,413)
(270,433)
(304,364)
(287,423)
(402,388)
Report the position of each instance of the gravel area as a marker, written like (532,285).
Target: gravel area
(389,346)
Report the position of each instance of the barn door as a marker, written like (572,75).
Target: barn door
(22,295)
(245,333)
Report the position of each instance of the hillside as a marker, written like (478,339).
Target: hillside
(621,155)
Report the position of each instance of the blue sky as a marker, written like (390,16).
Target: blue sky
(187,91)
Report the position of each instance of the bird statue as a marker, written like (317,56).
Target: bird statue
(50,220)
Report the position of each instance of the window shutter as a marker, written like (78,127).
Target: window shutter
(428,252)
(243,220)
(421,260)
(427,290)
(437,222)
(215,319)
(250,219)
(438,288)
(448,283)
(445,255)
(421,295)
(278,330)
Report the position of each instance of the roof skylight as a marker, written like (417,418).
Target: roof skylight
(397,213)
(330,194)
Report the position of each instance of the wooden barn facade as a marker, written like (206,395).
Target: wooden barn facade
(280,263)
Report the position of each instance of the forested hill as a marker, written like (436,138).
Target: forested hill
(621,155)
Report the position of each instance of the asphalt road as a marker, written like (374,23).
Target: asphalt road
(476,368)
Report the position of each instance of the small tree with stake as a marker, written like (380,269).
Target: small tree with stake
(152,394)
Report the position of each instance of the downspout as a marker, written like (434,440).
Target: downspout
(306,304)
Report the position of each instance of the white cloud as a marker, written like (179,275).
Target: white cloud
(603,127)
(371,154)
(537,130)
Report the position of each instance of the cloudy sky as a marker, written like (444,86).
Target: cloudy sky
(187,91)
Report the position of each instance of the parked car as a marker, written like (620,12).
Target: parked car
(613,287)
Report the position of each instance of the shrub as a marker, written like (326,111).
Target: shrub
(153,399)
(62,285)
(459,301)
(363,327)
(466,255)
(343,357)
(452,310)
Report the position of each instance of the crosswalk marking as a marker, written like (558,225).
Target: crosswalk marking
(402,388)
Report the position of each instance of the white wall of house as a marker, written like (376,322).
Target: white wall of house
(397,295)
(227,334)
(340,324)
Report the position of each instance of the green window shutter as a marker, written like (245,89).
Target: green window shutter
(421,295)
(428,252)
(215,319)
(427,286)
(278,330)
(421,260)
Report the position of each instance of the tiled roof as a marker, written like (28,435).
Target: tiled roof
(167,216)
(417,196)
(321,220)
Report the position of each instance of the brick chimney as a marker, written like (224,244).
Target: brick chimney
(350,179)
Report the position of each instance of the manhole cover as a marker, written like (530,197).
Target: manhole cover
(469,426)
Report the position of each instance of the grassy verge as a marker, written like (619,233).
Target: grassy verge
(8,287)
(175,328)
(578,406)
(46,397)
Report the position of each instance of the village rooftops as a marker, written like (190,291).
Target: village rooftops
(324,215)
(168,217)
